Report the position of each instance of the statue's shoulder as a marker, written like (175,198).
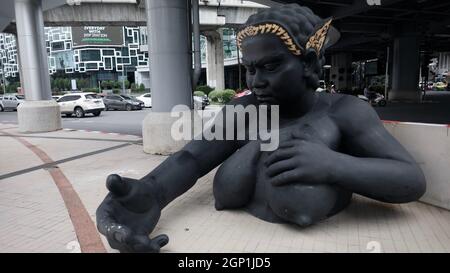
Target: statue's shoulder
(349,111)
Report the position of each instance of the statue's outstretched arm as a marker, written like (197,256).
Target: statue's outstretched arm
(131,210)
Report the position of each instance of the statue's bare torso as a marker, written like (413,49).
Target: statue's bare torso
(241,181)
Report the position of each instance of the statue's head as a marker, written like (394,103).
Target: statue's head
(283,51)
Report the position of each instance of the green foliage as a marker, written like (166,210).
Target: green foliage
(12,87)
(108,84)
(227,95)
(205,89)
(199,93)
(214,96)
(82,83)
(221,96)
(133,87)
(117,84)
(116,91)
(377,88)
(92,90)
(141,87)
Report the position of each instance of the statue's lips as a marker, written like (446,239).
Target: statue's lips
(266,99)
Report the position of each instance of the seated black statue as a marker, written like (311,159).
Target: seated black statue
(330,146)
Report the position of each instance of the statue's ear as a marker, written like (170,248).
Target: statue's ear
(317,40)
(310,62)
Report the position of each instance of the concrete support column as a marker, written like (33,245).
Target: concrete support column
(170,71)
(406,66)
(341,71)
(215,71)
(39,113)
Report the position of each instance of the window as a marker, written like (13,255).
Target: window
(108,63)
(108,52)
(91,66)
(90,55)
(72,98)
(124,51)
(148,96)
(62,99)
(57,46)
(113,98)
(92,96)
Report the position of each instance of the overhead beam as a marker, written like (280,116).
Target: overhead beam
(359,6)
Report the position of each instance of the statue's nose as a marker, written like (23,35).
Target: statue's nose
(259,82)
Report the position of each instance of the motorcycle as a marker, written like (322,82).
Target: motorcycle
(378,100)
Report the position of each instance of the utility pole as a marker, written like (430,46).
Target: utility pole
(123,79)
(3,78)
(386,80)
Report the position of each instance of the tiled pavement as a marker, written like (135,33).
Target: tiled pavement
(34,209)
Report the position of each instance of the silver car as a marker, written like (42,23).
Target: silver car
(10,102)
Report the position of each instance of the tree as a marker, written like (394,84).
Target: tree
(127,84)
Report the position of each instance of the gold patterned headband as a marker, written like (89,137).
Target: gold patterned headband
(315,42)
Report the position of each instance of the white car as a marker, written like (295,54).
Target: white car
(10,102)
(81,104)
(146,98)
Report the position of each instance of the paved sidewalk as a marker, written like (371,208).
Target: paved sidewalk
(52,183)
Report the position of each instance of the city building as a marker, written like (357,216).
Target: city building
(101,53)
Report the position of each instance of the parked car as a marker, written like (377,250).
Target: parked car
(10,102)
(200,102)
(440,86)
(322,86)
(146,98)
(122,102)
(377,99)
(81,104)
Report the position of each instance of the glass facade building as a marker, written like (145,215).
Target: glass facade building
(100,53)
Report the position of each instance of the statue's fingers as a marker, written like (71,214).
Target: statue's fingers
(143,244)
(287,144)
(119,237)
(104,216)
(161,240)
(280,154)
(117,186)
(280,167)
(285,178)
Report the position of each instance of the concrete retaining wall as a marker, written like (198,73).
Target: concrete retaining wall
(429,144)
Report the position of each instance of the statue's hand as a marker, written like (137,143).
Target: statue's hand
(302,159)
(128,215)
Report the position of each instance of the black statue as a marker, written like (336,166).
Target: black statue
(331,146)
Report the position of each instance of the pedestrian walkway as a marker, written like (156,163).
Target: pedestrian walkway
(52,183)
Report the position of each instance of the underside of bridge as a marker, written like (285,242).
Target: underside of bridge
(413,30)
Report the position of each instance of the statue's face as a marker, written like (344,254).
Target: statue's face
(274,75)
